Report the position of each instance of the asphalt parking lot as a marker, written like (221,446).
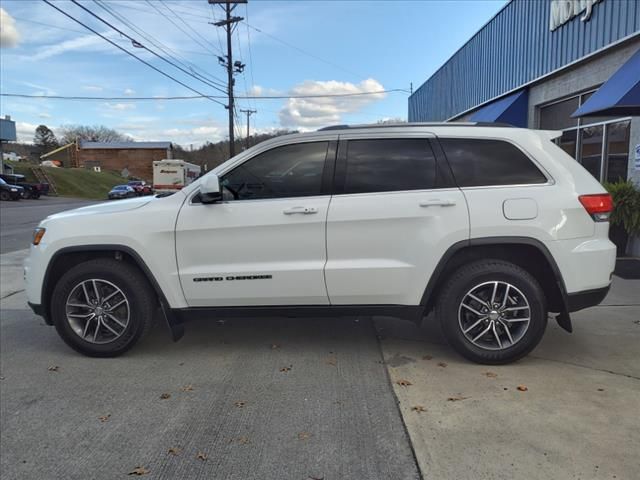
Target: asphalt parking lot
(19,218)
(345,398)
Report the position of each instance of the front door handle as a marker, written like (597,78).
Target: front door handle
(436,202)
(302,210)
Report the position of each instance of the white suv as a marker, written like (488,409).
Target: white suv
(493,227)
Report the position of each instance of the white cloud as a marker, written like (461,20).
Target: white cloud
(195,131)
(309,113)
(92,88)
(121,107)
(129,91)
(44,115)
(85,42)
(9,35)
(258,91)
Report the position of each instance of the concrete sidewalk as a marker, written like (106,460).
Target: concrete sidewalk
(11,276)
(578,416)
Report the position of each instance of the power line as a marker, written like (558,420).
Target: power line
(158,44)
(137,44)
(232,68)
(130,54)
(195,97)
(182,29)
(303,51)
(251,64)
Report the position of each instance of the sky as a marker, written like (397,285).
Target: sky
(289,48)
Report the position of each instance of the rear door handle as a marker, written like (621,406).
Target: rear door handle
(436,202)
(302,210)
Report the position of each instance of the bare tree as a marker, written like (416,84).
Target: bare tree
(96,133)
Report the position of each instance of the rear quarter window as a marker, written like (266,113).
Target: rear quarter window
(479,162)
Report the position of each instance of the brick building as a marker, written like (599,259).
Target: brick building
(136,158)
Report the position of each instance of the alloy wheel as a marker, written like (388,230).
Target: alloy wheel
(494,315)
(97,311)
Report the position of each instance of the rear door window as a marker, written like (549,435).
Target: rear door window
(479,162)
(387,165)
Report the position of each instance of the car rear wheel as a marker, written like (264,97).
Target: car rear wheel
(102,307)
(5,195)
(492,312)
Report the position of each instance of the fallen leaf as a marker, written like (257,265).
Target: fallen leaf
(456,398)
(601,389)
(174,451)
(181,364)
(139,471)
(311,477)
(275,346)
(240,404)
(202,456)
(187,388)
(490,374)
(331,360)
(285,369)
(240,440)
(419,409)
(53,368)
(442,364)
(104,418)
(522,388)
(164,396)
(404,383)
(427,357)
(304,436)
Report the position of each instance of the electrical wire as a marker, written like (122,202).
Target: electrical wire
(130,54)
(202,95)
(188,26)
(164,48)
(140,45)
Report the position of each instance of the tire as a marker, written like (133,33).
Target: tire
(505,320)
(135,314)
(5,195)
(35,195)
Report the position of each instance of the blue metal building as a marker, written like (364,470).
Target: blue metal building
(570,65)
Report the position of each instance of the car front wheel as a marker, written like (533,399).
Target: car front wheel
(492,312)
(102,307)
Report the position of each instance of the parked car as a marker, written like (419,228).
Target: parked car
(121,191)
(490,227)
(141,187)
(10,192)
(31,190)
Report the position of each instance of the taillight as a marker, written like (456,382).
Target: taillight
(599,206)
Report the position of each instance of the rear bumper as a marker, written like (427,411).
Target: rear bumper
(588,298)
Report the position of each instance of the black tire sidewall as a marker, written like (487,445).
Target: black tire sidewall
(133,289)
(486,271)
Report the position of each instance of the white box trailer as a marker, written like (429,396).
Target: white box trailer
(173,175)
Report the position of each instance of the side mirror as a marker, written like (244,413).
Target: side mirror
(210,191)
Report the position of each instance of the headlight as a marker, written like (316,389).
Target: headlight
(38,233)
(14,189)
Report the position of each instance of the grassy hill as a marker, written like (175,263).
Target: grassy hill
(75,182)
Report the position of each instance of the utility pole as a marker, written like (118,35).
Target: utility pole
(227,62)
(248,112)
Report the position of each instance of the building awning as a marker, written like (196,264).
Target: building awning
(511,109)
(618,96)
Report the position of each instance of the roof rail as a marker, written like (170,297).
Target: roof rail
(417,124)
